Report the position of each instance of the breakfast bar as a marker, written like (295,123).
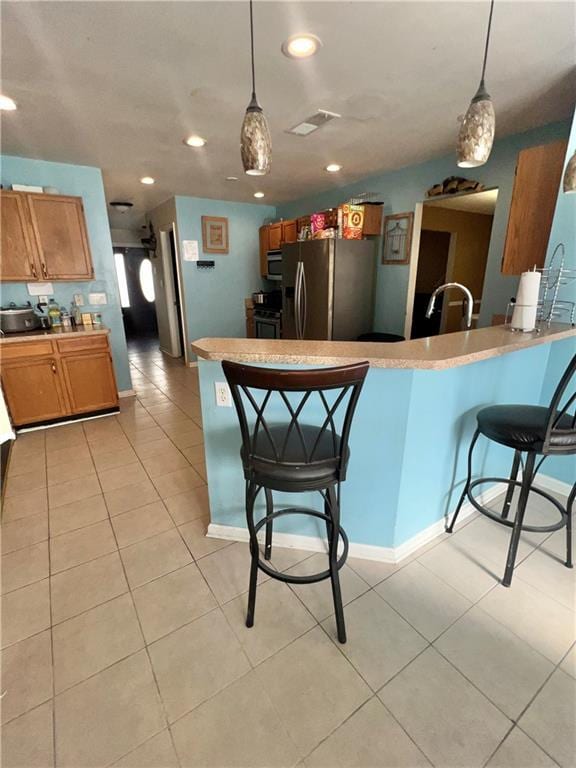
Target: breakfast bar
(415,417)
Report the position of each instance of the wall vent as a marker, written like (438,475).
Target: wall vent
(312,123)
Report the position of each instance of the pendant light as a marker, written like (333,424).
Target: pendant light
(477,128)
(569,184)
(255,141)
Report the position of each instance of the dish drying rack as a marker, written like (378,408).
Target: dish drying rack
(554,277)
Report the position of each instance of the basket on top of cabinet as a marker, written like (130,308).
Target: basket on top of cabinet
(44,237)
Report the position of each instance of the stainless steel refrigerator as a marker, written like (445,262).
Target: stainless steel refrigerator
(328,289)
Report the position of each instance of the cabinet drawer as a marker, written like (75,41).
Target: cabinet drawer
(81,343)
(17,351)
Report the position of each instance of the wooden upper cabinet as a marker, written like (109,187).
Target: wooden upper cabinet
(536,185)
(289,231)
(60,236)
(18,256)
(263,240)
(275,236)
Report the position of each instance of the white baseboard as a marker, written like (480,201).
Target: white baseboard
(361,551)
(548,483)
(127,393)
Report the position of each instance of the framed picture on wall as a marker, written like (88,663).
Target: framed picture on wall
(214,234)
(397,238)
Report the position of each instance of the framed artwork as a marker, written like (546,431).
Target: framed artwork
(214,234)
(397,238)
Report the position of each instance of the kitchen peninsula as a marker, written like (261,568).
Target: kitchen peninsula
(412,428)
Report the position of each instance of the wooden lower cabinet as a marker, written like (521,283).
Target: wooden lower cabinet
(33,390)
(54,379)
(90,381)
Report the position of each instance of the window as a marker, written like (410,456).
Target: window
(122,284)
(147,280)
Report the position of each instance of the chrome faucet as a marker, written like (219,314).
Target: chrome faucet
(441,289)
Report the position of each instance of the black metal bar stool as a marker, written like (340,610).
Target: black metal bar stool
(537,432)
(287,454)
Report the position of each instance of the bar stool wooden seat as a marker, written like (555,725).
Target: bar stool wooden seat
(532,432)
(281,451)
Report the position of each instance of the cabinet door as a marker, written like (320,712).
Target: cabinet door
(18,257)
(275,236)
(536,186)
(289,231)
(263,239)
(33,390)
(61,238)
(90,381)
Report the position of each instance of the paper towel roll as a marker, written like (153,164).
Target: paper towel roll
(526,307)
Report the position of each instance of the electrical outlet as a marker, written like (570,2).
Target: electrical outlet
(79,299)
(223,394)
(42,299)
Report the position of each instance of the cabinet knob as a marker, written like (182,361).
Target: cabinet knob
(44,270)
(33,268)
(53,366)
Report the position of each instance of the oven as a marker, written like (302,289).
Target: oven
(267,323)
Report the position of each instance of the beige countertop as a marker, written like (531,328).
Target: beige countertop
(53,333)
(434,353)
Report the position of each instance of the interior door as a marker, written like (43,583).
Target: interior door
(17,254)
(90,381)
(37,375)
(61,238)
(317,258)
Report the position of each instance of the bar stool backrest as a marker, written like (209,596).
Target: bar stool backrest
(257,388)
(563,404)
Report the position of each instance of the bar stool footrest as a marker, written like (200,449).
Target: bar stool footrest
(510,523)
(314,577)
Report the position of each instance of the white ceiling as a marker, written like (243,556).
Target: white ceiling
(120,84)
(472,202)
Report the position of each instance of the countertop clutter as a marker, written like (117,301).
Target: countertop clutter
(59,331)
(434,353)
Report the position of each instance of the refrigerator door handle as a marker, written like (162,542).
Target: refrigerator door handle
(297,300)
(304,302)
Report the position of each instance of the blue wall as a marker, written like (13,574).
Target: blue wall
(86,182)
(402,189)
(215,297)
(408,443)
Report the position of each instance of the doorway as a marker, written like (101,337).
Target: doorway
(451,245)
(137,296)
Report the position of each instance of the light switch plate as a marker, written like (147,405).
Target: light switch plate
(97,298)
(79,299)
(223,394)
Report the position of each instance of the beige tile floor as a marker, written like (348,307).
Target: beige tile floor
(124,642)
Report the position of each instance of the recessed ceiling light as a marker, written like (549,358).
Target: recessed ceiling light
(301,46)
(195,141)
(147,180)
(333,168)
(258,194)
(231,178)
(7,104)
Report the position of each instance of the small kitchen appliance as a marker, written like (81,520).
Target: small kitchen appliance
(19,319)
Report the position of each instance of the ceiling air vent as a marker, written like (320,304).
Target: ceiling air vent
(311,124)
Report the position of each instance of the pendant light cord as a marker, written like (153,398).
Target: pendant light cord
(485,47)
(252,51)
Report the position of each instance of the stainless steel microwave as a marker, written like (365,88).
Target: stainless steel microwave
(274,265)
